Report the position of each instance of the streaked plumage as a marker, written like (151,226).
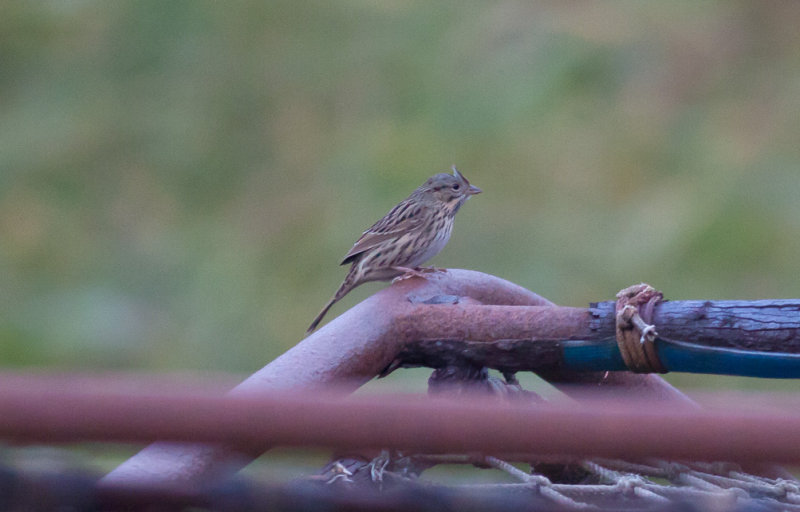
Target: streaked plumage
(411,233)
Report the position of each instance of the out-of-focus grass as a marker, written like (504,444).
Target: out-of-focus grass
(178,180)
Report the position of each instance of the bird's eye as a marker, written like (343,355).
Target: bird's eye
(456,186)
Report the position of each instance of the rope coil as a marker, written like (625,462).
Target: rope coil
(635,332)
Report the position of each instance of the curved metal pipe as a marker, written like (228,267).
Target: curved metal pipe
(356,346)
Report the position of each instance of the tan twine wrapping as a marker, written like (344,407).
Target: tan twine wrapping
(635,332)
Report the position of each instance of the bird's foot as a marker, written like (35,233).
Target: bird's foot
(408,273)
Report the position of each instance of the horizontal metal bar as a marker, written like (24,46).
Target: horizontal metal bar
(740,430)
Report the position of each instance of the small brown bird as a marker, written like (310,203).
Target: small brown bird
(411,233)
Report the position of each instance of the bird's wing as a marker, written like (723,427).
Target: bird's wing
(403,218)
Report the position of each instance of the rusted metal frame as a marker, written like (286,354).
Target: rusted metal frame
(359,344)
(740,429)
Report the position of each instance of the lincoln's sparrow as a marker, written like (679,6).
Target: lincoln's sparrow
(411,233)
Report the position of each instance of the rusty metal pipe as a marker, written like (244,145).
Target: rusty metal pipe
(356,346)
(740,429)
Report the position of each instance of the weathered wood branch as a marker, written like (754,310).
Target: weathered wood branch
(761,325)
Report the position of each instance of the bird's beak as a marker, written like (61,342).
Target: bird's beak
(472,190)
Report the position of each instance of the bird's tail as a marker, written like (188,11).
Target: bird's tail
(321,314)
(347,285)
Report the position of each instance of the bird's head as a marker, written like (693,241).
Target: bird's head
(450,189)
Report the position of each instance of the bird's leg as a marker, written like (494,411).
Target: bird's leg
(430,269)
(408,273)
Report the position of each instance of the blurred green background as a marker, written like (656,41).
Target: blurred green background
(179,180)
